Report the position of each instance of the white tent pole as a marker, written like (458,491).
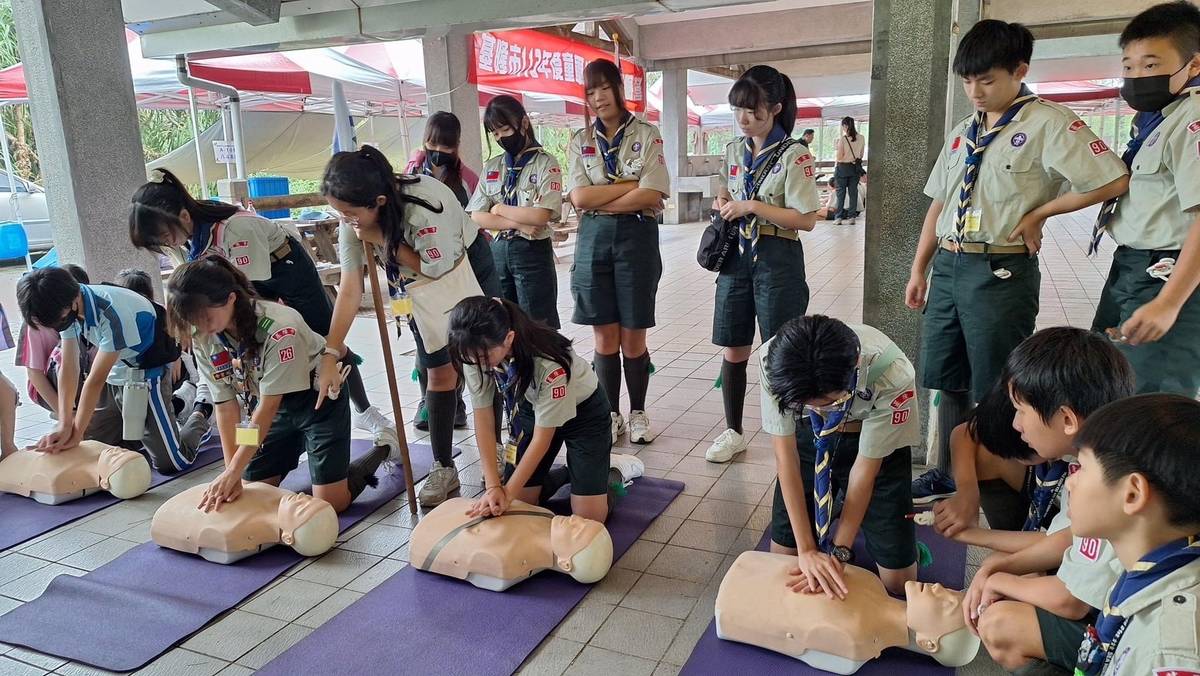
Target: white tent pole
(196,142)
(12,186)
(235,107)
(225,134)
(404,139)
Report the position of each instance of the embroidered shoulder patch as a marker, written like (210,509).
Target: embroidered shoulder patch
(283,333)
(556,374)
(903,398)
(1076,126)
(900,417)
(1099,147)
(287,354)
(265,324)
(425,232)
(1089,548)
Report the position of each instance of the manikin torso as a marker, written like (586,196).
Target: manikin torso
(263,516)
(755,606)
(496,553)
(62,477)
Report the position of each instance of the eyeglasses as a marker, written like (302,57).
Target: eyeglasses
(833,406)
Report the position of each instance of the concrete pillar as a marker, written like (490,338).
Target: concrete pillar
(966,13)
(908,107)
(85,120)
(684,206)
(447,61)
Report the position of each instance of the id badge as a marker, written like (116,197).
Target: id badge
(401,306)
(974,218)
(510,451)
(247,434)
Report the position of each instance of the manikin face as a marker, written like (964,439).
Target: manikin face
(1158,56)
(756,121)
(991,92)
(1095,506)
(1049,439)
(933,611)
(603,101)
(216,318)
(296,509)
(571,534)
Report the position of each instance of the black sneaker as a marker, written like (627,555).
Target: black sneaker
(932,485)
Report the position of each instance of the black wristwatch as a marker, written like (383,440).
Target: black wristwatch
(842,554)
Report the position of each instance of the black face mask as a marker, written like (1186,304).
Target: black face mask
(66,322)
(439,159)
(1151,93)
(513,143)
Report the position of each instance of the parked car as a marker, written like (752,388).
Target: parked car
(30,199)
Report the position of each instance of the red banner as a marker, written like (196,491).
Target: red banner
(532,61)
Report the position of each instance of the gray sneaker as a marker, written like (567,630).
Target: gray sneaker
(441,482)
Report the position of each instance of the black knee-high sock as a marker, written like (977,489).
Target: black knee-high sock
(423,378)
(733,392)
(637,380)
(362,471)
(441,424)
(952,409)
(608,371)
(354,382)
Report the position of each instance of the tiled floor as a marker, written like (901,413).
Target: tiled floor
(645,617)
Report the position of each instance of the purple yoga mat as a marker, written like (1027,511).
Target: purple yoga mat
(422,623)
(715,656)
(129,611)
(25,518)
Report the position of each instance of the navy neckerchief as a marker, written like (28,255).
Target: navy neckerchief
(1101,641)
(427,167)
(506,384)
(513,166)
(977,142)
(753,162)
(610,149)
(242,371)
(1047,481)
(202,239)
(825,426)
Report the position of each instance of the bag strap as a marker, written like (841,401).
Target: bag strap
(762,177)
(852,153)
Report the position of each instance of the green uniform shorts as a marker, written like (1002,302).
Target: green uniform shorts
(773,290)
(1061,637)
(588,437)
(323,433)
(974,318)
(617,267)
(1171,363)
(891,539)
(525,269)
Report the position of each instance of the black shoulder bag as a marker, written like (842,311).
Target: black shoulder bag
(718,238)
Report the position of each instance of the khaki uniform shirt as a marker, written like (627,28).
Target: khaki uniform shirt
(791,183)
(888,412)
(1044,150)
(1163,634)
(440,239)
(244,239)
(289,354)
(640,158)
(1089,567)
(539,186)
(1164,189)
(554,397)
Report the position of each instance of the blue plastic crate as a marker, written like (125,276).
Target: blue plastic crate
(270,186)
(13,241)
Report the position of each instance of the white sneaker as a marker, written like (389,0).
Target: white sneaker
(383,432)
(630,466)
(618,426)
(187,394)
(438,485)
(639,428)
(727,445)
(840,221)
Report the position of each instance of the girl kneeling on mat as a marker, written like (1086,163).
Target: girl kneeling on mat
(551,397)
(258,359)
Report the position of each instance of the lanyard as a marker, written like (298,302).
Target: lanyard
(1041,498)
(506,381)
(241,375)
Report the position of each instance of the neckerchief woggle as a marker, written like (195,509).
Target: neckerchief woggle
(752,163)
(1100,641)
(513,166)
(977,142)
(1047,481)
(824,428)
(610,149)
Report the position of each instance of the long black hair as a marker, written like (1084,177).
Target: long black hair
(763,87)
(443,129)
(990,424)
(851,130)
(480,323)
(506,111)
(155,212)
(358,177)
(206,283)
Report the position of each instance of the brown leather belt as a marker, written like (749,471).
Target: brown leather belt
(283,251)
(981,248)
(852,427)
(776,231)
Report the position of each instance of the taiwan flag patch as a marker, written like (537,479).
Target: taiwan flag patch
(1076,126)
(1170,671)
(956,144)
(733,171)
(588,151)
(222,364)
(493,176)
(1194,127)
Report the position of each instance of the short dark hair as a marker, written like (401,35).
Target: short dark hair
(809,357)
(993,44)
(990,424)
(45,295)
(1179,21)
(806,132)
(78,273)
(136,280)
(1067,366)
(1157,436)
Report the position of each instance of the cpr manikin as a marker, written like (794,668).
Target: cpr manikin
(755,606)
(262,517)
(55,478)
(496,553)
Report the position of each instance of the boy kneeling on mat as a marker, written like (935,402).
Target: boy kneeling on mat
(1137,487)
(1056,378)
(854,391)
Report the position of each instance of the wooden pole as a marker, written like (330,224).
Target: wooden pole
(389,365)
(310,199)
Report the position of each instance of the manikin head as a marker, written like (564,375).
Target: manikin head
(123,473)
(307,524)
(582,548)
(934,614)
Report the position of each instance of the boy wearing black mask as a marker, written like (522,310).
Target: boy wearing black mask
(1149,303)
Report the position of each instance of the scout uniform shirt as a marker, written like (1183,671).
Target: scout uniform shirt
(440,239)
(791,183)
(289,353)
(1164,621)
(1090,566)
(1164,188)
(885,402)
(244,239)
(539,185)
(553,397)
(115,319)
(640,158)
(1042,150)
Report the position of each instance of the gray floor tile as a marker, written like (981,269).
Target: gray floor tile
(62,544)
(289,599)
(662,529)
(692,484)
(551,658)
(378,539)
(16,565)
(9,667)
(47,662)
(593,661)
(31,586)
(685,640)
(663,596)
(235,670)
(327,609)
(722,512)
(737,491)
(375,576)
(274,646)
(77,669)
(682,563)
(583,621)
(636,633)
(180,662)
(234,635)
(639,555)
(98,554)
(682,506)
(337,568)
(116,519)
(614,586)
(707,536)
(666,669)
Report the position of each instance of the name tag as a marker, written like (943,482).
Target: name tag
(974,219)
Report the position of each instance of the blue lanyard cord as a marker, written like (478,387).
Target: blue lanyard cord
(610,149)
(1046,482)
(506,384)
(241,372)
